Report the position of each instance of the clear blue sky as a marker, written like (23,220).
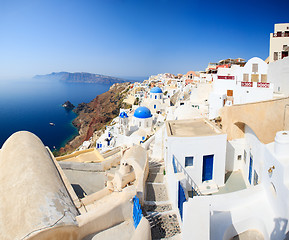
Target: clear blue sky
(131,37)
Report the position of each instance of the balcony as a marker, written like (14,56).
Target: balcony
(281,34)
(246,84)
(255,84)
(263,85)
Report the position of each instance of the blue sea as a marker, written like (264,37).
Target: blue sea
(32,104)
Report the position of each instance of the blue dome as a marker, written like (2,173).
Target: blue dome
(142,112)
(123,115)
(156,90)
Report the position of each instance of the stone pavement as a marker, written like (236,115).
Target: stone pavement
(157,207)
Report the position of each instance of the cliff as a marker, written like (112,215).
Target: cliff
(81,77)
(96,114)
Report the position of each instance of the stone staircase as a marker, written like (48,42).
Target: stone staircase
(157,207)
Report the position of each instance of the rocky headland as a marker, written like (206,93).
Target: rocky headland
(95,115)
(80,77)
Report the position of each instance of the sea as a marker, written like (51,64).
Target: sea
(31,105)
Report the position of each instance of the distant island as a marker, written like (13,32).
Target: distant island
(81,77)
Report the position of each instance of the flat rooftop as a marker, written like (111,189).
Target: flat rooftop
(192,128)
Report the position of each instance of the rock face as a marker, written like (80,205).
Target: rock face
(68,105)
(80,77)
(96,114)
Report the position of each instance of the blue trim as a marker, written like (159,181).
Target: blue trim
(181,199)
(142,112)
(137,212)
(156,90)
(174,165)
(123,115)
(250,170)
(208,161)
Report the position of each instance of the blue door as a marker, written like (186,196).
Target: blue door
(181,199)
(250,169)
(208,161)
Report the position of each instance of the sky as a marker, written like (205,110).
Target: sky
(131,37)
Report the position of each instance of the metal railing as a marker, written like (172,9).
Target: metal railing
(178,168)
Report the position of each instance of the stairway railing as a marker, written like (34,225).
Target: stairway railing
(179,168)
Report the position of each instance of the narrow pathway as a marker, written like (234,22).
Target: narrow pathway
(157,207)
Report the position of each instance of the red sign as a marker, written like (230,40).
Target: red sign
(246,84)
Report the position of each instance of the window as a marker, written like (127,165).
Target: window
(239,157)
(155,106)
(254,77)
(189,161)
(255,67)
(245,156)
(275,56)
(263,78)
(256,178)
(246,77)
(155,96)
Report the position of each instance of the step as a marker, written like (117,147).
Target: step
(153,213)
(156,169)
(175,237)
(164,225)
(157,208)
(156,192)
(155,177)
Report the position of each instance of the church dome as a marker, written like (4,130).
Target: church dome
(123,115)
(156,90)
(142,112)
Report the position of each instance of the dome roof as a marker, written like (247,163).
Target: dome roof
(142,112)
(156,90)
(123,115)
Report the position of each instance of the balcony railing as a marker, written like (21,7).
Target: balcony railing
(246,84)
(178,168)
(263,85)
(281,34)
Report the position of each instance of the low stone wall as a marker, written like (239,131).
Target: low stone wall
(93,167)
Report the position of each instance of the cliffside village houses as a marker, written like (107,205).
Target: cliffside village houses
(218,139)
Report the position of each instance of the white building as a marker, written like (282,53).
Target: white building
(195,153)
(278,73)
(123,123)
(239,85)
(142,118)
(279,42)
(155,102)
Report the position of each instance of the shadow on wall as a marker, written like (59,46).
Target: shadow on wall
(279,229)
(251,228)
